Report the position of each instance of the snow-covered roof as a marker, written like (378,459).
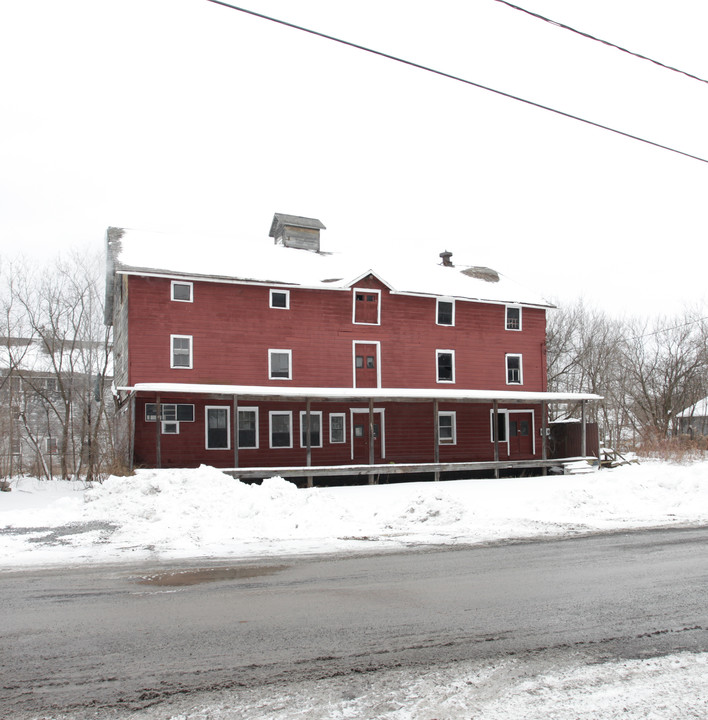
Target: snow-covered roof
(511,396)
(700,409)
(258,260)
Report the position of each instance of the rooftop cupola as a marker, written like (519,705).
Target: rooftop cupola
(296,232)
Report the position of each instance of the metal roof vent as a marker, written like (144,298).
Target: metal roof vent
(296,232)
(446,258)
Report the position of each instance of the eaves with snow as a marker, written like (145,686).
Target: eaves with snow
(262,261)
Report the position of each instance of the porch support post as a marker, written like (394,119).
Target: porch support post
(436,436)
(495,423)
(235,426)
(158,432)
(308,442)
(544,441)
(583,431)
(371,439)
(131,431)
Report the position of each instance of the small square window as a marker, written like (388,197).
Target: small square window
(181,291)
(370,362)
(170,428)
(280,299)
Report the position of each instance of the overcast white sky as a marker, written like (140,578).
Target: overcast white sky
(184,115)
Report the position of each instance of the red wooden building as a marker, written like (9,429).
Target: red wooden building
(274,354)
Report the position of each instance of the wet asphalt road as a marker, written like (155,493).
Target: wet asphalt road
(106,638)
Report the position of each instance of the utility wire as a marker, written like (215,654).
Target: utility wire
(600,40)
(457,78)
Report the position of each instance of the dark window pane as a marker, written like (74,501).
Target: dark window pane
(280,430)
(445,366)
(280,365)
(182,291)
(370,362)
(513,318)
(445,313)
(370,298)
(185,413)
(279,299)
(247,429)
(217,428)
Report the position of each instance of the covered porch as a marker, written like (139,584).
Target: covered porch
(310,463)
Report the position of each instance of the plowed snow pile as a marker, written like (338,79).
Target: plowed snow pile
(202,513)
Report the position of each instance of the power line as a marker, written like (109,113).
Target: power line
(600,40)
(441,73)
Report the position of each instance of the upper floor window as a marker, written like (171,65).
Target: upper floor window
(513,317)
(447,428)
(181,291)
(514,370)
(446,365)
(280,299)
(279,364)
(367,308)
(445,312)
(181,354)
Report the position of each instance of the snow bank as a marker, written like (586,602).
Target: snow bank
(204,513)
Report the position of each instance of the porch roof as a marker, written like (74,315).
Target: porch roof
(360,394)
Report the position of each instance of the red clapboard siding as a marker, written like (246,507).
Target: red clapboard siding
(233,327)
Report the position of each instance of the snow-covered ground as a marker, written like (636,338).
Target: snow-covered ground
(163,514)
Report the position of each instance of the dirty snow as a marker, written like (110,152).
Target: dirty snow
(163,514)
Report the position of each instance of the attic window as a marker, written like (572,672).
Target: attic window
(513,318)
(280,299)
(181,291)
(445,312)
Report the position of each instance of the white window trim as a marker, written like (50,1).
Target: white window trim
(228,426)
(506,318)
(437,376)
(270,429)
(169,404)
(344,428)
(181,282)
(302,424)
(521,368)
(382,429)
(289,353)
(281,292)
(366,291)
(165,423)
(378,359)
(172,352)
(453,415)
(505,413)
(258,440)
(437,309)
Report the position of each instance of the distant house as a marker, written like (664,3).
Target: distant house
(259,355)
(693,421)
(46,397)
